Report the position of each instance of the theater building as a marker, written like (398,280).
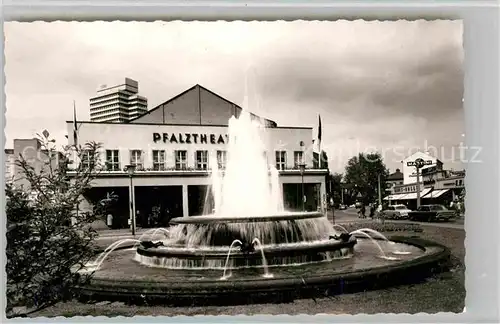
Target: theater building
(172,147)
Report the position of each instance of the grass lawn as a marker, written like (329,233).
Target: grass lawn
(443,293)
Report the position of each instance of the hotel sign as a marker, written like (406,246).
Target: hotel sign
(190,138)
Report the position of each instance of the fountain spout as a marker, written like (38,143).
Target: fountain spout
(344,237)
(247,248)
(151,244)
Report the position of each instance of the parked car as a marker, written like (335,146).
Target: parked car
(358,205)
(431,213)
(395,212)
(342,207)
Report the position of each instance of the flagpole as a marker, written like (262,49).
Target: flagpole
(75,126)
(75,142)
(320,155)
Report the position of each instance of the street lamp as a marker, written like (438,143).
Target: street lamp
(302,167)
(130,170)
(419,164)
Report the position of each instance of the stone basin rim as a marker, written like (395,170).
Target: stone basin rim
(217,292)
(326,245)
(212,219)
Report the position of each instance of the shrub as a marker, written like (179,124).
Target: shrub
(46,240)
(384,227)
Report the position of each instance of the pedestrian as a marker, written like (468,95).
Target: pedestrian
(363,211)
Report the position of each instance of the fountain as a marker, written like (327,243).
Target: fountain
(248,213)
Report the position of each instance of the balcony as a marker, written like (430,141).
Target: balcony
(150,171)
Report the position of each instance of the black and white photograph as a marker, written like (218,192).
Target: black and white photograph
(235,168)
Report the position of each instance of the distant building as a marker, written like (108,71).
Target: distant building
(436,184)
(32,151)
(118,103)
(9,159)
(394,179)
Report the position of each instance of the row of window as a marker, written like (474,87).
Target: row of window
(122,94)
(201,159)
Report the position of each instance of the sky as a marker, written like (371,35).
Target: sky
(394,87)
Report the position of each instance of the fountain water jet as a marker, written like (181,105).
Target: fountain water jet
(267,274)
(224,277)
(384,238)
(383,255)
(96,264)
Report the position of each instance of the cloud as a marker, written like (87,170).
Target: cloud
(380,83)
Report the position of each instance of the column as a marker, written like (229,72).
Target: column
(185,202)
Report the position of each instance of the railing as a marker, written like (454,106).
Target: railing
(174,169)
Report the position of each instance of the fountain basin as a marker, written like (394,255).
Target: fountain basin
(217,231)
(121,278)
(276,255)
(212,219)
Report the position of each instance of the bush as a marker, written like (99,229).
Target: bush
(384,227)
(46,240)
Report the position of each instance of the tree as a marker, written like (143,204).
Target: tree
(362,173)
(47,241)
(334,183)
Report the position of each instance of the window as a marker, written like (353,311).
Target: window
(281,160)
(87,160)
(136,159)
(221,159)
(112,160)
(202,160)
(298,158)
(180,160)
(158,160)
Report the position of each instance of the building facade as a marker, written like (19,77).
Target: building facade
(9,159)
(437,185)
(393,180)
(174,147)
(32,151)
(118,103)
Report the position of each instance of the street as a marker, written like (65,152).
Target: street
(351,215)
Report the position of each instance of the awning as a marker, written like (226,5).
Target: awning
(413,195)
(397,196)
(437,193)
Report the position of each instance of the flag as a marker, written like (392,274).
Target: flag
(75,126)
(317,145)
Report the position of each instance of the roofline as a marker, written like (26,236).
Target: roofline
(161,124)
(437,160)
(186,91)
